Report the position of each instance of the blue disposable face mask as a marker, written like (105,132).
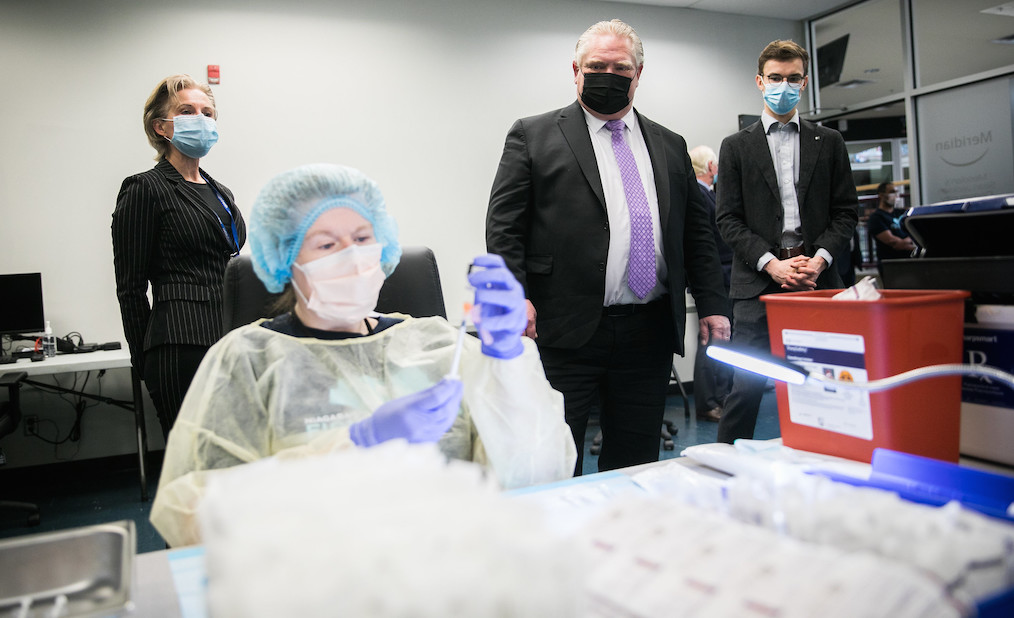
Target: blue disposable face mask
(194,135)
(782,98)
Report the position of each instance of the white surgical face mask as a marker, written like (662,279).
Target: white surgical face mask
(344,286)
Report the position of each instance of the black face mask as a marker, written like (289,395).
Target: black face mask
(605,93)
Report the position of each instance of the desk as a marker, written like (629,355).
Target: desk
(172,583)
(94,361)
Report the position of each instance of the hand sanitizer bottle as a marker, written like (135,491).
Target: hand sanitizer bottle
(48,342)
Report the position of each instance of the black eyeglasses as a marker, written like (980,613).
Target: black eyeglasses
(775,78)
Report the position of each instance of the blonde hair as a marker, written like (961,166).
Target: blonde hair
(161,100)
(615,27)
(700,156)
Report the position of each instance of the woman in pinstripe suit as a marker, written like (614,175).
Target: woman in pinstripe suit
(176,228)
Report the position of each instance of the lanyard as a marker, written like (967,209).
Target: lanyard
(235,235)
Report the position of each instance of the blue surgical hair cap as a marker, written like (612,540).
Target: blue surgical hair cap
(292,201)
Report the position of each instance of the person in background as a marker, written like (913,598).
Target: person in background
(175,228)
(331,372)
(786,205)
(892,240)
(596,211)
(712,379)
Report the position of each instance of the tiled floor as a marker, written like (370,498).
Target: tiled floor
(84,493)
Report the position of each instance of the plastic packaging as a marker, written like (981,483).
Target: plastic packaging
(866,289)
(929,481)
(48,342)
(322,537)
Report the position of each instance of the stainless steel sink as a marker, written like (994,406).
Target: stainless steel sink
(78,572)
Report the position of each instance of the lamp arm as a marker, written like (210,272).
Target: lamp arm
(918,374)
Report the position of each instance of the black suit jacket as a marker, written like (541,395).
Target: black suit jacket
(547,218)
(750,213)
(163,232)
(724,251)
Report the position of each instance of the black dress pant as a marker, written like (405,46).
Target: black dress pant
(739,416)
(168,371)
(623,371)
(712,381)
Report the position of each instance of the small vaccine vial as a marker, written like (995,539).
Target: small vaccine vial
(48,342)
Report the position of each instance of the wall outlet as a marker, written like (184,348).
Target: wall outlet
(31,424)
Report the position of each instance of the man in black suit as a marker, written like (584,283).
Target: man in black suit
(786,205)
(712,379)
(596,211)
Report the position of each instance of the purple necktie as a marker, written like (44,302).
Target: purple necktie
(641,268)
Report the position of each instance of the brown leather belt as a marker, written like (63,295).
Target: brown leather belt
(784,254)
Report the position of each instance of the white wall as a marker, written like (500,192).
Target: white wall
(418,94)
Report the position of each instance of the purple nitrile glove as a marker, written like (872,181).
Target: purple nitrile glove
(420,417)
(499,312)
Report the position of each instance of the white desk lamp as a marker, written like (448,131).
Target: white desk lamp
(916,478)
(771,366)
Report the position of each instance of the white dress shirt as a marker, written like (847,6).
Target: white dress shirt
(617,291)
(783,143)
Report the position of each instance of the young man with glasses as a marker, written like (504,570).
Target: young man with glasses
(786,205)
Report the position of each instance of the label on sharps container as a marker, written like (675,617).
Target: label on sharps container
(835,355)
(988,346)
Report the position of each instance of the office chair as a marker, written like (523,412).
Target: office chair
(413,288)
(10,417)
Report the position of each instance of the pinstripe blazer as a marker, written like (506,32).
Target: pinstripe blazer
(164,233)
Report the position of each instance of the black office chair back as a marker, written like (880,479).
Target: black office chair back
(413,288)
(10,410)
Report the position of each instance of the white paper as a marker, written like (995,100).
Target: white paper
(839,356)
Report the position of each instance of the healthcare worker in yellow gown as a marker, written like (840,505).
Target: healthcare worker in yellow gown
(332,373)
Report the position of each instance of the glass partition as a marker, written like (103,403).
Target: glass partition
(871,162)
(966,146)
(958,39)
(858,55)
(945,69)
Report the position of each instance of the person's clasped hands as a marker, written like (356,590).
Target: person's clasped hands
(796,274)
(423,416)
(806,271)
(499,312)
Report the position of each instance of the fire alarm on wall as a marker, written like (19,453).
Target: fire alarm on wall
(213,75)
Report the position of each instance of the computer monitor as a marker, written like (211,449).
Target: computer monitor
(21,309)
(831,61)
